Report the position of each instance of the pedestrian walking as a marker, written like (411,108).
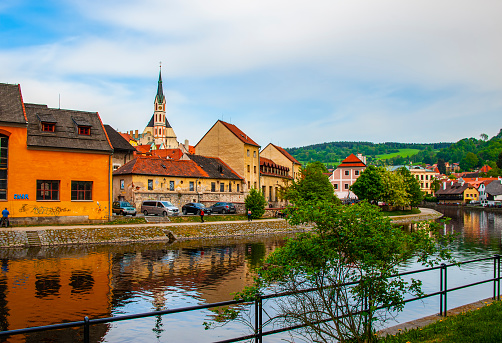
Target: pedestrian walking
(5,218)
(202,216)
(249,216)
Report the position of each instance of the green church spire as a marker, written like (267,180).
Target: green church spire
(160,93)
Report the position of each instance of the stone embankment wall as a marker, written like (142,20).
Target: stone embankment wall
(140,233)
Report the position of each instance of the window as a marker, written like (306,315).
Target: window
(4,141)
(249,185)
(121,183)
(426,185)
(222,187)
(213,186)
(171,185)
(229,186)
(336,186)
(48,127)
(248,152)
(427,177)
(421,177)
(150,184)
(254,185)
(84,130)
(190,186)
(263,190)
(356,172)
(347,172)
(346,185)
(237,188)
(254,153)
(254,169)
(81,190)
(47,189)
(249,168)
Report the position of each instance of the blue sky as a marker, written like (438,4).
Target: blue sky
(291,72)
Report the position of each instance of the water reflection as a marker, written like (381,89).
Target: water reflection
(61,284)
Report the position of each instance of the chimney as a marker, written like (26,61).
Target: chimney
(136,133)
(186,144)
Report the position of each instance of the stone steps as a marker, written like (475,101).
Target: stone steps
(33,239)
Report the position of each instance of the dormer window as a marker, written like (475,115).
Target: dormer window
(84,130)
(48,127)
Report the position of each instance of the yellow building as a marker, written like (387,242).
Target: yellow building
(196,179)
(273,177)
(55,165)
(282,158)
(235,148)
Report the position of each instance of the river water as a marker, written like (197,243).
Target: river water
(53,285)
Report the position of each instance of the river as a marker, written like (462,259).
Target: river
(59,284)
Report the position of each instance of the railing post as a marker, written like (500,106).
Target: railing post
(441,290)
(498,277)
(87,339)
(445,290)
(258,330)
(494,277)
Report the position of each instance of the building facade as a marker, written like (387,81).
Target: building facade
(55,164)
(235,148)
(196,179)
(346,174)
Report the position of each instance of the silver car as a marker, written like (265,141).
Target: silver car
(164,208)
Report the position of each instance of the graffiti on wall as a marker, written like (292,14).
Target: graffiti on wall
(50,211)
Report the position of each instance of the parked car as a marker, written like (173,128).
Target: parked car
(164,208)
(124,208)
(195,208)
(223,207)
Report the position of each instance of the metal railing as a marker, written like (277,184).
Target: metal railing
(258,333)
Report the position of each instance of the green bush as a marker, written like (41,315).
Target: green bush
(255,201)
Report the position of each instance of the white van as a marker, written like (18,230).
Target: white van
(164,208)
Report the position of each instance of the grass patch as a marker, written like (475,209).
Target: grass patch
(401,213)
(481,325)
(401,152)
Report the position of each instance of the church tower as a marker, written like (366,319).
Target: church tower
(162,132)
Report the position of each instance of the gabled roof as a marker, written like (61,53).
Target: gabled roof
(485,169)
(351,161)
(285,153)
(494,188)
(11,104)
(126,136)
(119,143)
(453,189)
(215,167)
(157,166)
(145,148)
(66,134)
(239,134)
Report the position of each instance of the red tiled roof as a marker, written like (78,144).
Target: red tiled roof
(265,162)
(174,154)
(287,154)
(161,167)
(126,136)
(485,169)
(143,148)
(191,150)
(352,161)
(239,134)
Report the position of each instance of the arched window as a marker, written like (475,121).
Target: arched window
(4,141)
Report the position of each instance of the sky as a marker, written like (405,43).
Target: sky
(292,73)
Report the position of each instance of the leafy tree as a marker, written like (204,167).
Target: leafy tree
(499,159)
(394,190)
(312,185)
(412,187)
(441,166)
(435,185)
(484,136)
(469,161)
(348,244)
(368,185)
(255,201)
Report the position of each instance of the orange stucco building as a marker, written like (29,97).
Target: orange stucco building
(55,165)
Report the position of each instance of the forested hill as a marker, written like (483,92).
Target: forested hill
(334,152)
